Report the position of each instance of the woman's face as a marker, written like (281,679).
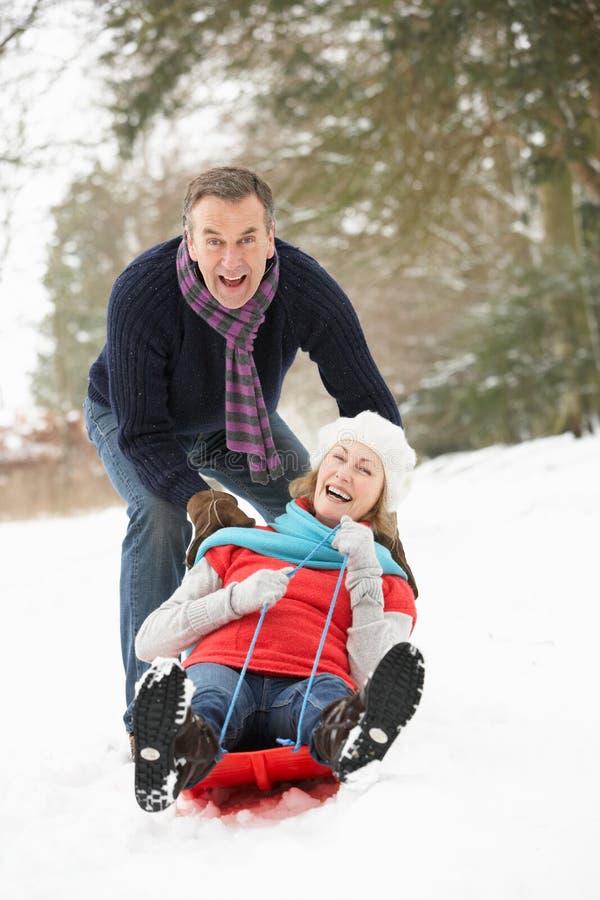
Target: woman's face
(349,483)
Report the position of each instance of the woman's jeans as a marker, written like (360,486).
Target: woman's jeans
(267,707)
(158,532)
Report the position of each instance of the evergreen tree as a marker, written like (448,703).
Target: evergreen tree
(511,380)
(434,153)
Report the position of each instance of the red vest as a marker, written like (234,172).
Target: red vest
(292,628)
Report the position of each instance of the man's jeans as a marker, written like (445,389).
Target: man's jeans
(158,533)
(267,707)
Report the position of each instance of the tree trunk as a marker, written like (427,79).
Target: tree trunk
(561,247)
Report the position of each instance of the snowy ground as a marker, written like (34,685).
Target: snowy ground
(491,792)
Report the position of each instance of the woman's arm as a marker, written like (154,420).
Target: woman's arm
(199,605)
(373,630)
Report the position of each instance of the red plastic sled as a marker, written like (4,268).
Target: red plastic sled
(265,784)
(262,768)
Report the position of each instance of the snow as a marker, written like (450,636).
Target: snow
(490,792)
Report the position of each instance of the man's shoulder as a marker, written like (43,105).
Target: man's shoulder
(303,277)
(157,255)
(152,273)
(291,257)
(298,267)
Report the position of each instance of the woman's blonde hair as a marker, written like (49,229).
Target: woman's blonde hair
(382,522)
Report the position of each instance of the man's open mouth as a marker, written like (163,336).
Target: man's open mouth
(231,282)
(337,494)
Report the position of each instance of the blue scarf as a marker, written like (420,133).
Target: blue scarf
(296,533)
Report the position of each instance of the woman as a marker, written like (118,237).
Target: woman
(179,712)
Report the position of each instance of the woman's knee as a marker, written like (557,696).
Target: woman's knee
(214,687)
(325,689)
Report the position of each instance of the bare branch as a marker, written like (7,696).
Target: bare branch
(20,29)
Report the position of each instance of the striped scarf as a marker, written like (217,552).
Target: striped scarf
(247,426)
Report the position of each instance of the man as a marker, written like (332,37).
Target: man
(201,331)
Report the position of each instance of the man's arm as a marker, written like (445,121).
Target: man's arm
(142,330)
(328,329)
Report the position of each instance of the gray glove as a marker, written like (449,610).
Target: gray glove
(265,586)
(357,541)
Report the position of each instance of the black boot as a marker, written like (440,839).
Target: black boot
(353,732)
(337,721)
(173,746)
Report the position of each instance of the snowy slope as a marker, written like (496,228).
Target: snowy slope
(491,792)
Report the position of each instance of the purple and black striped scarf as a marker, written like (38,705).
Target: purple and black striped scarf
(247,427)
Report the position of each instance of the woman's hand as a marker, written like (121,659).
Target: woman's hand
(357,541)
(264,586)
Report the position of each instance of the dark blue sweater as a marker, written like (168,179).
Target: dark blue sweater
(162,369)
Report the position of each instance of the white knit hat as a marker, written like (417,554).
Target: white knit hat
(386,439)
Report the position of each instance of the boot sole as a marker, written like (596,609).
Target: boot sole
(392,697)
(160,709)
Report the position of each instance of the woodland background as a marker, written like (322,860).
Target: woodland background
(441,158)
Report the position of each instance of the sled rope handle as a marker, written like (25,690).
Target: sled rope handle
(259,625)
(285,741)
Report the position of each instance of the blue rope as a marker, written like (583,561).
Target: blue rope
(242,675)
(314,550)
(259,625)
(287,742)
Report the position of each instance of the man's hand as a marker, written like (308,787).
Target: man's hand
(209,511)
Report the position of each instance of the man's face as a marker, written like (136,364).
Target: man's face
(230,242)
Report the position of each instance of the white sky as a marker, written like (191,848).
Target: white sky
(55,81)
(48,87)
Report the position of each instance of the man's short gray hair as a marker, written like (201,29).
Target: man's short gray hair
(229,183)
